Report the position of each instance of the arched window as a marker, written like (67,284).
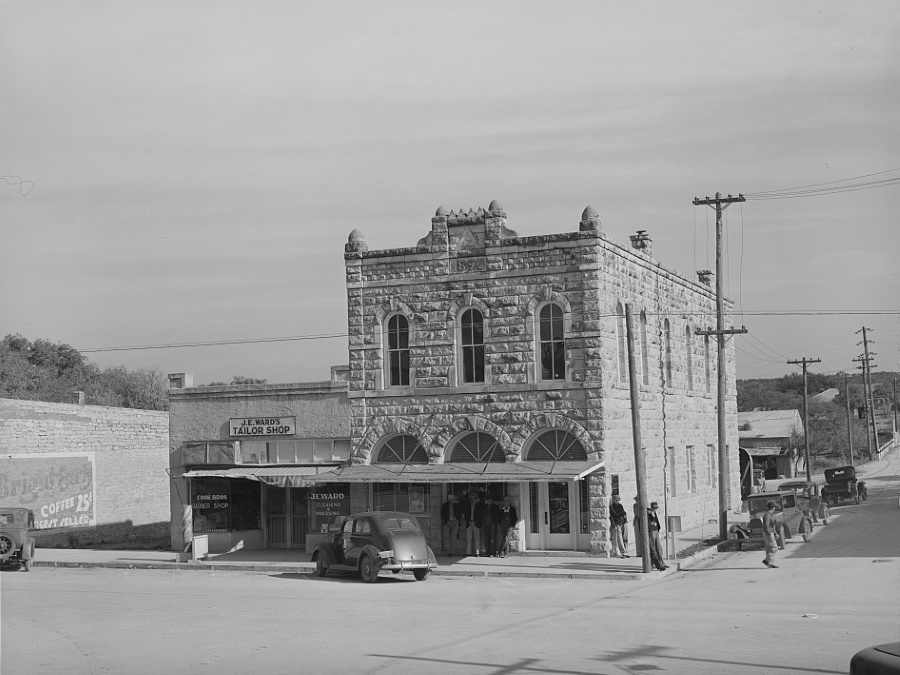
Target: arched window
(556,445)
(398,351)
(645,352)
(472,343)
(667,342)
(689,361)
(621,343)
(706,360)
(476,447)
(551,343)
(402,449)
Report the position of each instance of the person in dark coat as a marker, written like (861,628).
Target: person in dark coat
(473,516)
(508,520)
(653,528)
(489,526)
(618,528)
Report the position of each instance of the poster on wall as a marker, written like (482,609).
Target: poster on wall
(58,488)
(327,508)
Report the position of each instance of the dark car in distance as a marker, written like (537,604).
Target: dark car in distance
(16,547)
(370,542)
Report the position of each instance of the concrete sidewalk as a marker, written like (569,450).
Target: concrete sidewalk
(550,564)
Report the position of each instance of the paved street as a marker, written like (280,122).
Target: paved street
(829,598)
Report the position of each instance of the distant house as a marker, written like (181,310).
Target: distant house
(765,436)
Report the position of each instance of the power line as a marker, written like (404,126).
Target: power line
(832,182)
(816,192)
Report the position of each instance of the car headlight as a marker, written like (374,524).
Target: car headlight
(386,554)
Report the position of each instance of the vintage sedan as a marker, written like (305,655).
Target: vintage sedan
(790,517)
(16,547)
(374,541)
(809,496)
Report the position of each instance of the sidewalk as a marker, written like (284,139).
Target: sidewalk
(555,565)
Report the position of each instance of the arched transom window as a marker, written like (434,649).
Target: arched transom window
(552,344)
(556,445)
(472,344)
(476,447)
(402,449)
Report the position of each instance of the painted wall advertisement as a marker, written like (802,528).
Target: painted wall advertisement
(58,488)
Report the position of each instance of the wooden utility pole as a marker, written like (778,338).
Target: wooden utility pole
(640,464)
(862,366)
(849,418)
(721,203)
(806,361)
(867,383)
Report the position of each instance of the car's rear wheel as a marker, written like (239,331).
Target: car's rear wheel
(6,545)
(368,570)
(421,575)
(321,568)
(807,530)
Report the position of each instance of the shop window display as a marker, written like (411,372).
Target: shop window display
(223,505)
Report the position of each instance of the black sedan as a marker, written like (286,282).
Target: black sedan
(373,541)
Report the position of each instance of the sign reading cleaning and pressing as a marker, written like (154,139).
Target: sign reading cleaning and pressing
(263,426)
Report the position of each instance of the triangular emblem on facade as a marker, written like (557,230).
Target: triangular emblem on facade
(467,241)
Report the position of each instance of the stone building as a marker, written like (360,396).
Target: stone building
(481,363)
(485,361)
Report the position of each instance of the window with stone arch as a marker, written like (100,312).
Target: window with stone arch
(621,343)
(555,445)
(397,357)
(471,328)
(689,359)
(476,446)
(645,352)
(401,449)
(551,342)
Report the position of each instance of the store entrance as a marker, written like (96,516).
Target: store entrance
(555,517)
(286,517)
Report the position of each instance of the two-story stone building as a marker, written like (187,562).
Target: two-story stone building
(484,362)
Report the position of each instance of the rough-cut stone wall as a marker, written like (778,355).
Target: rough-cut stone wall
(129,449)
(474,261)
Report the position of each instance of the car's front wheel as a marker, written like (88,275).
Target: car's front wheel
(421,575)
(368,570)
(807,530)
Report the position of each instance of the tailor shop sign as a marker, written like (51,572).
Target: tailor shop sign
(59,489)
(263,426)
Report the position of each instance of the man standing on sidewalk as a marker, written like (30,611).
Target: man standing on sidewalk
(618,524)
(450,516)
(769,524)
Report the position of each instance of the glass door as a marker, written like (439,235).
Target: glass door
(552,520)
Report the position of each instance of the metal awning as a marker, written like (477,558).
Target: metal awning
(461,472)
(765,452)
(281,476)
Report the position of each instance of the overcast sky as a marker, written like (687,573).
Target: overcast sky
(191,171)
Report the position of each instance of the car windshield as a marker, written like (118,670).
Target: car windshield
(395,524)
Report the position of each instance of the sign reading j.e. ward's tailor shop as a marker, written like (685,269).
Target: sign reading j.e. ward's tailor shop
(263,426)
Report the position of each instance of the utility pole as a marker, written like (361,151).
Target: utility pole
(849,418)
(806,361)
(862,366)
(895,406)
(721,203)
(867,381)
(640,464)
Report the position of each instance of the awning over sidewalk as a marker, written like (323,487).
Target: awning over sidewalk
(461,473)
(280,476)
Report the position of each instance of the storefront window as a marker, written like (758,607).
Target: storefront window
(314,451)
(402,497)
(328,506)
(223,505)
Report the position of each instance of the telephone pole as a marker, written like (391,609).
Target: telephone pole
(849,418)
(721,203)
(866,359)
(806,361)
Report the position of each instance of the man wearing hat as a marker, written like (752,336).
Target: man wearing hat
(769,524)
(618,524)
(653,528)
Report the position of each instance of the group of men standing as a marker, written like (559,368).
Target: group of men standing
(487,525)
(618,519)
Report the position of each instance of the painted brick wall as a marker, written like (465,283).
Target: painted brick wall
(130,449)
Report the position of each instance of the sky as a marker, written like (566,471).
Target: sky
(180,173)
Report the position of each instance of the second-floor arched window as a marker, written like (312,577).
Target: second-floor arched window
(551,343)
(472,346)
(398,351)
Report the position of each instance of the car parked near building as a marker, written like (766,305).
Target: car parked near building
(809,496)
(16,547)
(791,517)
(841,483)
(370,542)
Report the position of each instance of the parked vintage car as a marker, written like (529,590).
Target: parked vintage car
(373,541)
(790,516)
(16,547)
(841,483)
(809,496)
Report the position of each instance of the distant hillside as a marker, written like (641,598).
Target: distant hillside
(785,393)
